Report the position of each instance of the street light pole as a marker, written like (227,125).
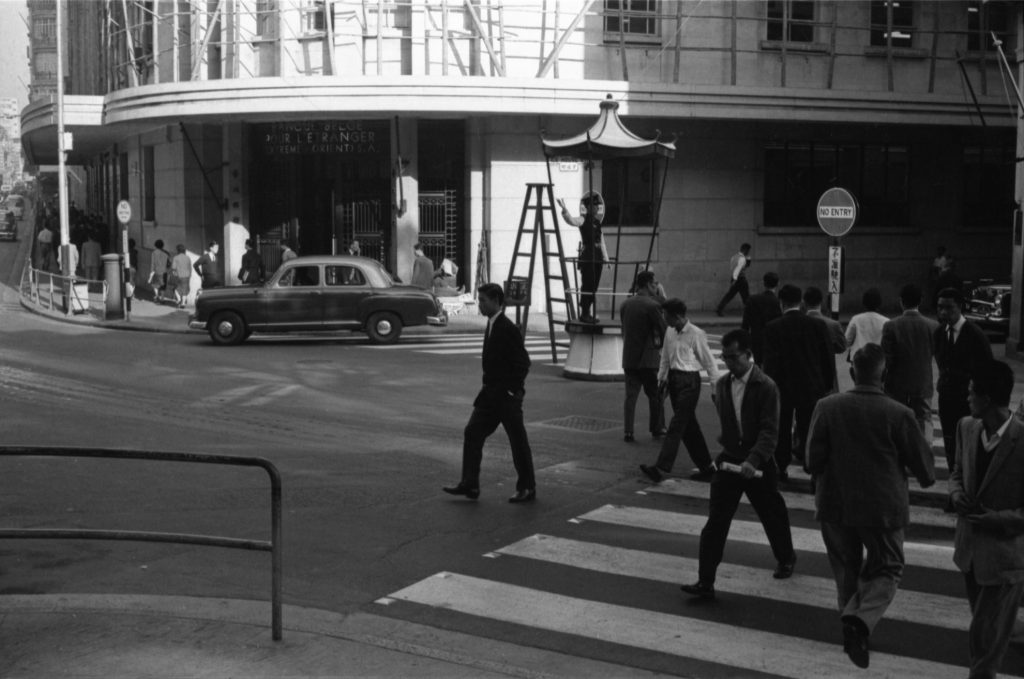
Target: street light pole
(62,180)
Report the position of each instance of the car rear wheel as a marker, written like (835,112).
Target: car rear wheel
(384,327)
(226,328)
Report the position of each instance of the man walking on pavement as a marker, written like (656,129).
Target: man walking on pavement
(861,446)
(960,347)
(643,330)
(813,297)
(909,345)
(798,356)
(500,401)
(986,489)
(738,264)
(683,353)
(758,311)
(747,402)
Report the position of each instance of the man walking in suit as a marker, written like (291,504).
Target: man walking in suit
(747,402)
(960,346)
(986,489)
(684,352)
(500,401)
(909,344)
(758,311)
(813,297)
(798,356)
(861,445)
(738,264)
(643,329)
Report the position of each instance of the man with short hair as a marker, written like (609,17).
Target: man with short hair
(813,297)
(747,402)
(422,269)
(738,264)
(287,252)
(683,353)
(207,268)
(861,446)
(758,311)
(909,344)
(643,329)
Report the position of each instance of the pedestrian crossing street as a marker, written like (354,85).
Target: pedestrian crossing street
(609,579)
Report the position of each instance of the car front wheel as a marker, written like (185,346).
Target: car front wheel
(384,327)
(226,328)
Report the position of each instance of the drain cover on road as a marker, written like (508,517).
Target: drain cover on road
(581,423)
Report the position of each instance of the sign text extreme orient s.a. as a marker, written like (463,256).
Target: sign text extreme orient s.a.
(327,136)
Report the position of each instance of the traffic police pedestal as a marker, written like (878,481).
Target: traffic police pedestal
(112,271)
(595,351)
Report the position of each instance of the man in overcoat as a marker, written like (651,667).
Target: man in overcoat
(643,329)
(909,344)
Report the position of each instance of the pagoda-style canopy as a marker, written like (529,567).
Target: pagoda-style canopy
(608,138)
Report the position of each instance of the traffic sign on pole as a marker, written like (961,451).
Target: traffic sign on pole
(837,211)
(124,212)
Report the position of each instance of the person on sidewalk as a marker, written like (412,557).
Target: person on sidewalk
(684,352)
(207,268)
(909,345)
(592,253)
(798,356)
(92,256)
(181,271)
(505,365)
(643,331)
(960,347)
(738,264)
(252,271)
(159,263)
(866,327)
(986,489)
(758,311)
(422,269)
(747,402)
(861,446)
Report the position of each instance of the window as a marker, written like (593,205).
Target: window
(344,275)
(988,186)
(797,173)
(892,19)
(149,185)
(45,29)
(983,19)
(45,65)
(633,18)
(798,26)
(301,276)
(628,180)
(312,13)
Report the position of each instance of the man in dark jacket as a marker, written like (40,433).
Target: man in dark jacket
(759,310)
(862,444)
(500,401)
(909,344)
(643,328)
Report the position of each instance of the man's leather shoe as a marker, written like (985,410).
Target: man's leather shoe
(703,474)
(699,589)
(628,437)
(855,643)
(784,570)
(653,473)
(525,495)
(462,489)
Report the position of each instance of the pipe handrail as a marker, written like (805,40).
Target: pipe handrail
(273,545)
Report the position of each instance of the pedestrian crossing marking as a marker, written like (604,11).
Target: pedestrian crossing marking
(938,489)
(926,555)
(678,635)
(806,590)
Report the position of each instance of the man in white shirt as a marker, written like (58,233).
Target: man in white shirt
(684,352)
(737,278)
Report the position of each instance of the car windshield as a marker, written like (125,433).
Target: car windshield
(986,294)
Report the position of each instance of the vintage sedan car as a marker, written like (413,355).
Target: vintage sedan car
(8,226)
(988,305)
(330,292)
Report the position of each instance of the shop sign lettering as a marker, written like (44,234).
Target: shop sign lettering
(322,136)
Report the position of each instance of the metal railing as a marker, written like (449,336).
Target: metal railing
(273,545)
(53,292)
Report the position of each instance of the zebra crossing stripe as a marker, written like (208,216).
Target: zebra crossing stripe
(927,609)
(938,490)
(939,557)
(676,635)
(921,516)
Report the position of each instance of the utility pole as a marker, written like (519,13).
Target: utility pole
(62,179)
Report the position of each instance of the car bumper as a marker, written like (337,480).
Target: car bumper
(986,321)
(196,324)
(438,320)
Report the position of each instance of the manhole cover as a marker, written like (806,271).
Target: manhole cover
(581,423)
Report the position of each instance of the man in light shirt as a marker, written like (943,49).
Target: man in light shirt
(737,278)
(684,352)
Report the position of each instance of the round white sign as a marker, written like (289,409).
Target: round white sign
(124,212)
(837,211)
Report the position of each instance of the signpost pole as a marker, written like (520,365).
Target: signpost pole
(124,215)
(837,212)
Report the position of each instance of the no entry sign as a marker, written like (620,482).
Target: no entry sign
(837,211)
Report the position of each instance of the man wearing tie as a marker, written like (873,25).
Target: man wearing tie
(500,401)
(960,347)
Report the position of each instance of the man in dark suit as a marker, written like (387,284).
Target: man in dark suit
(643,328)
(798,356)
(500,401)
(759,310)
(909,344)
(986,489)
(960,346)
(747,403)
(861,445)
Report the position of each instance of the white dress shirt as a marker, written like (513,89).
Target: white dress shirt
(687,350)
(738,385)
(864,328)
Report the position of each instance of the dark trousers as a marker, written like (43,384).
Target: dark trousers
(494,406)
(866,585)
(590,279)
(789,410)
(726,490)
(952,407)
(647,380)
(738,286)
(922,408)
(684,391)
(993,613)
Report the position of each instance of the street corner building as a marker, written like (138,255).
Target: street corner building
(322,122)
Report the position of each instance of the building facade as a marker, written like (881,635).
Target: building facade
(324,121)
(11,170)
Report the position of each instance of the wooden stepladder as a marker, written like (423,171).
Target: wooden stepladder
(540,201)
